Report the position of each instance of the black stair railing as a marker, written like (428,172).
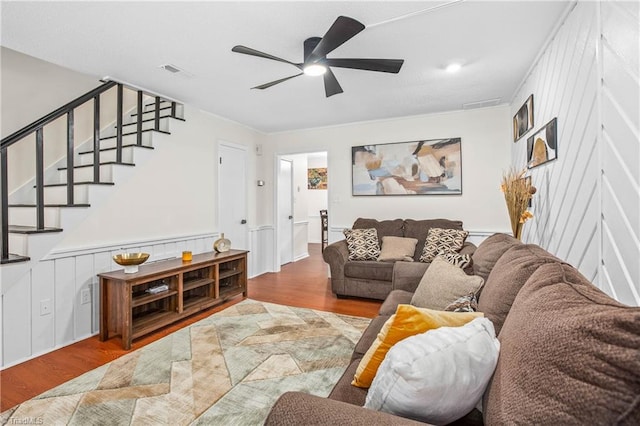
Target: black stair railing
(37,127)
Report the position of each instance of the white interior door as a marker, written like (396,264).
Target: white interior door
(232,193)
(285,211)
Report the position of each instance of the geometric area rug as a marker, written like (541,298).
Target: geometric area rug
(226,369)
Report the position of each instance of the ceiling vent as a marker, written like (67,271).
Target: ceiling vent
(175,70)
(171,68)
(481,104)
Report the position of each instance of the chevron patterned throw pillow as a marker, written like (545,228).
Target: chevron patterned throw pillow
(362,244)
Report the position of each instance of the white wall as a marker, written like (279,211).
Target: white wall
(486,150)
(587,208)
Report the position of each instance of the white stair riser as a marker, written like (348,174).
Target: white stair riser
(58,194)
(127,140)
(106,156)
(85,174)
(19,244)
(26,216)
(147,125)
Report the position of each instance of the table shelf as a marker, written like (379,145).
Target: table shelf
(126,310)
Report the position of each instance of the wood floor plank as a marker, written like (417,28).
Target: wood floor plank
(303,284)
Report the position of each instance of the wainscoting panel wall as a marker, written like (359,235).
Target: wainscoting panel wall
(45,310)
(587,208)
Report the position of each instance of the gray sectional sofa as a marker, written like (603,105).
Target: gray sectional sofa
(373,279)
(569,353)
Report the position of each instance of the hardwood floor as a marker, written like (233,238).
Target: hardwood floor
(303,284)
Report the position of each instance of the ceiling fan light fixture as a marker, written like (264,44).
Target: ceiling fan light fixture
(453,67)
(315,69)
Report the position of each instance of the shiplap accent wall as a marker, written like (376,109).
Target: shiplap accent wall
(61,277)
(587,208)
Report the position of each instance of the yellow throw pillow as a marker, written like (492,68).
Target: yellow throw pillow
(407,321)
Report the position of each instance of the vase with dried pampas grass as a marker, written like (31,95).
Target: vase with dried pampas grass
(517,191)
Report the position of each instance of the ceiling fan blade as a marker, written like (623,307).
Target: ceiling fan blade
(273,83)
(380,65)
(331,85)
(253,52)
(342,30)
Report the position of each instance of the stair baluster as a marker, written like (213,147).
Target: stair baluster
(139,121)
(119,126)
(70,147)
(39,179)
(96,138)
(157,114)
(4,197)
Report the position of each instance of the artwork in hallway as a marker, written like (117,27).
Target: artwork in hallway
(542,147)
(523,120)
(425,167)
(317,178)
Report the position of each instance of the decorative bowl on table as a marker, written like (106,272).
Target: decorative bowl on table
(130,261)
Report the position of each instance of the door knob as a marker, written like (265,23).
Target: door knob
(290,217)
(243,221)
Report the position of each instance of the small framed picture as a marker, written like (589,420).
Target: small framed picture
(542,147)
(523,120)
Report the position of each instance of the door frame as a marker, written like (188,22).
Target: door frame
(276,170)
(245,149)
(277,211)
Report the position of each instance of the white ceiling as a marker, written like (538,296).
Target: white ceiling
(495,41)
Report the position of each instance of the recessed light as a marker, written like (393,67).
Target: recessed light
(455,67)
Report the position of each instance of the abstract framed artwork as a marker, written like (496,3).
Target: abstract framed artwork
(542,146)
(425,167)
(523,120)
(317,178)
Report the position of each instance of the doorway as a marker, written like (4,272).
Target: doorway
(232,193)
(299,198)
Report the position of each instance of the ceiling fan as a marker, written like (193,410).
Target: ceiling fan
(317,63)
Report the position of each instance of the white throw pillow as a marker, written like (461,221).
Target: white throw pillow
(438,376)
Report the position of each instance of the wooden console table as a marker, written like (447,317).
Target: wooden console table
(129,310)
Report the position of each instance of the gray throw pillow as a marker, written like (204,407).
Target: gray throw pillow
(442,283)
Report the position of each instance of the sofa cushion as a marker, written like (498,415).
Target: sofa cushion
(420,228)
(384,228)
(362,244)
(395,298)
(369,270)
(343,391)
(442,284)
(570,355)
(489,251)
(438,376)
(407,321)
(397,249)
(407,275)
(369,336)
(442,240)
(506,279)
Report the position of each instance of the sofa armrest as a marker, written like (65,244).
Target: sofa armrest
(468,248)
(336,255)
(297,408)
(407,275)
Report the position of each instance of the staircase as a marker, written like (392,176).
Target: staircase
(35,214)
